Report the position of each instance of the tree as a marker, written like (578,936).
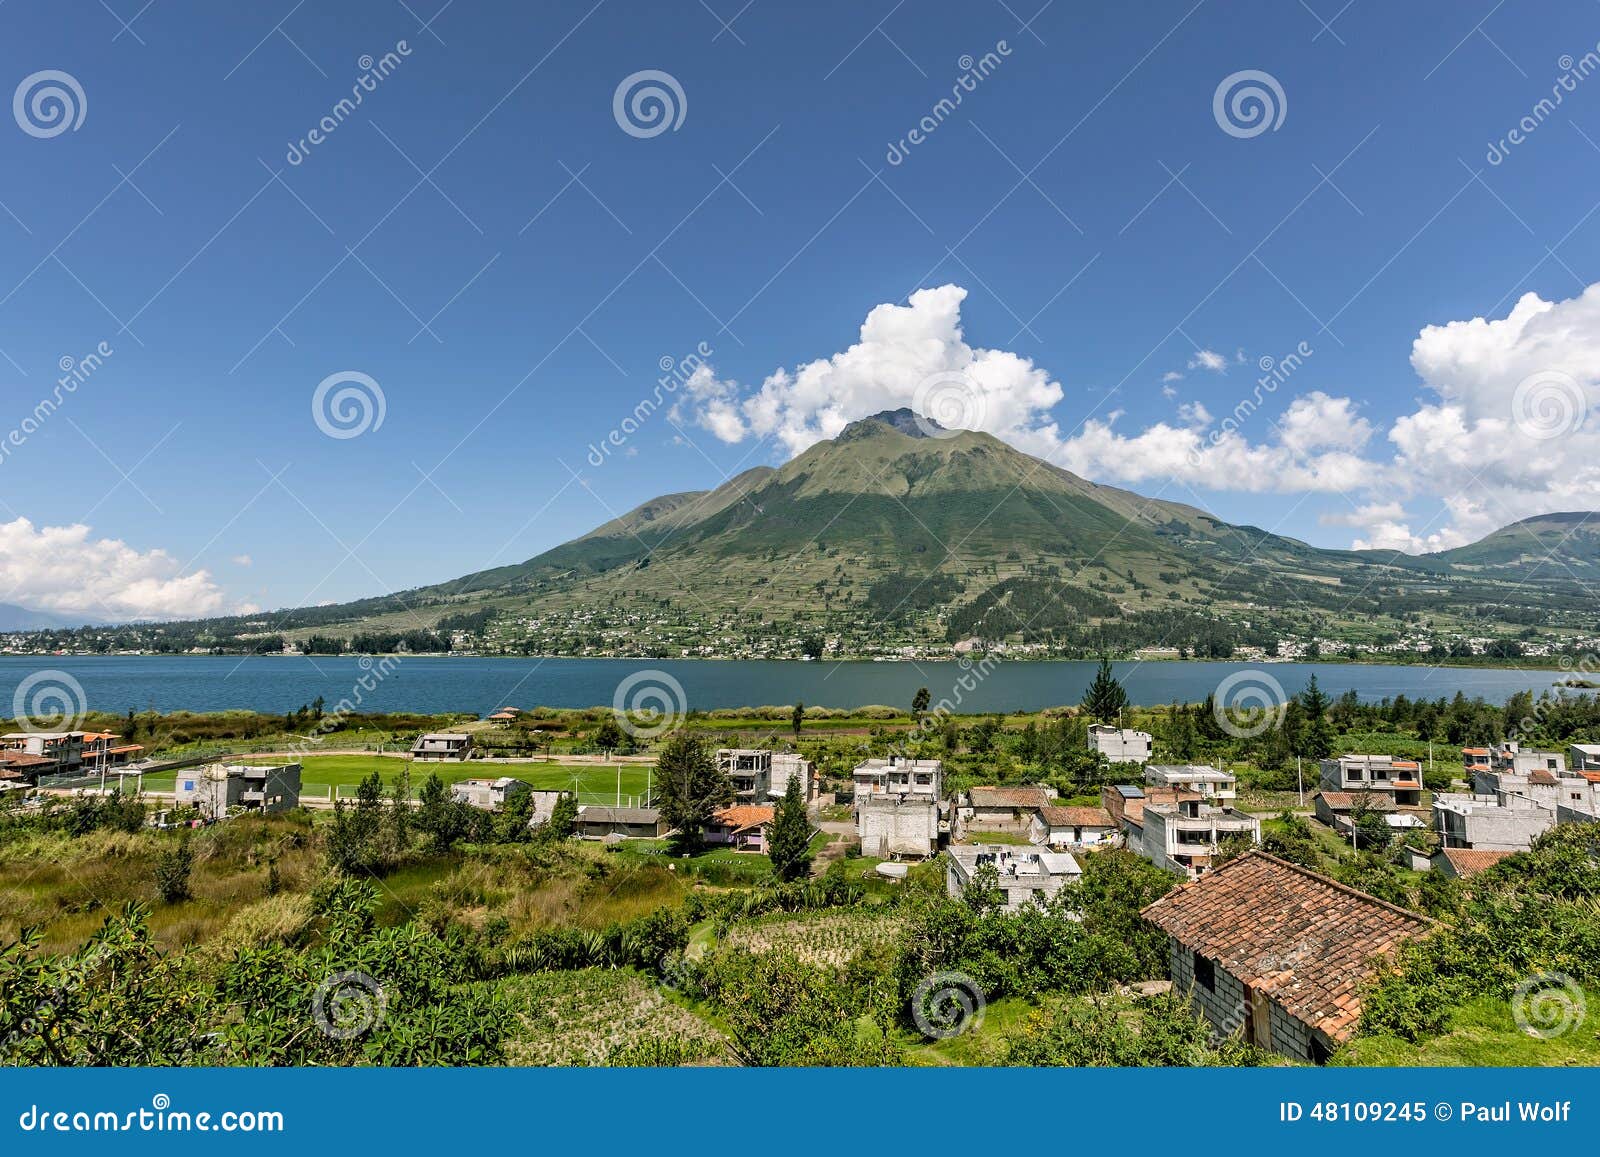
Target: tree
(563,818)
(920,701)
(172,871)
(1316,741)
(1181,735)
(790,834)
(692,788)
(608,736)
(812,646)
(797,718)
(1105,698)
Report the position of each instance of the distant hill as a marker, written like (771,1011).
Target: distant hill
(15,618)
(897,531)
(1567,543)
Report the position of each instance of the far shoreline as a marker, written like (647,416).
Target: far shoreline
(1474,663)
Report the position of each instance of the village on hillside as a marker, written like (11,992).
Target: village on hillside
(1088,887)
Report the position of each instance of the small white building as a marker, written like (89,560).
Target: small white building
(1120,744)
(489,794)
(1025,875)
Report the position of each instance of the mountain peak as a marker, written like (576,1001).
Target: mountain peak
(905,420)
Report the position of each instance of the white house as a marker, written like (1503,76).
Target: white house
(1025,875)
(1120,744)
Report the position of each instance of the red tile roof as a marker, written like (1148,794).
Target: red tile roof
(745,815)
(1076,817)
(1307,941)
(1026,798)
(1469,862)
(1543,778)
(1346,800)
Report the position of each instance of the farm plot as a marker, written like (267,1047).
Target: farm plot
(597,1016)
(828,939)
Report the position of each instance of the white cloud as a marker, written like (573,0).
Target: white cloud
(61,569)
(901,348)
(242,560)
(1513,431)
(1482,451)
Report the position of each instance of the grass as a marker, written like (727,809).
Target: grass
(1484,1033)
(601,1016)
(320,774)
(982,1045)
(67,887)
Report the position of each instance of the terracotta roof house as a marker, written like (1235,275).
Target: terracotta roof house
(1072,827)
(1278,952)
(742,827)
(1001,809)
(1459,862)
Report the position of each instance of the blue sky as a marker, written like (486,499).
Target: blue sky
(514,304)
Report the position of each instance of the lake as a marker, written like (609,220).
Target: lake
(435,684)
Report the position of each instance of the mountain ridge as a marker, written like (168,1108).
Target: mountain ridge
(899,532)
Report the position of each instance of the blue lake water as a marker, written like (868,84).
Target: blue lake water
(438,684)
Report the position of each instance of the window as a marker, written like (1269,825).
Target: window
(1205,972)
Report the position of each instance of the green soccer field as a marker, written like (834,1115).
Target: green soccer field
(322,774)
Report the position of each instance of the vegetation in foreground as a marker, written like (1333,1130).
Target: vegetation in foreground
(436,934)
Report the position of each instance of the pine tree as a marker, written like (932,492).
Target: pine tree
(1316,741)
(790,835)
(920,701)
(1105,698)
(692,788)
(797,718)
